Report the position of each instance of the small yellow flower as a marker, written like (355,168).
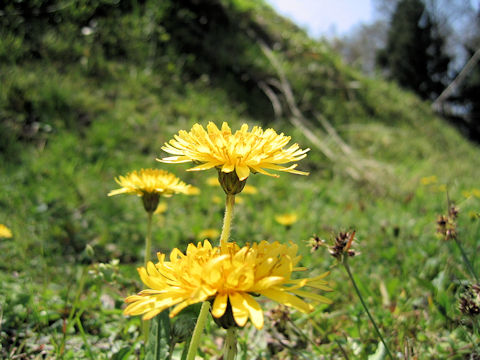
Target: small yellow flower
(286,219)
(161,208)
(229,277)
(150,184)
(5,232)
(217,199)
(241,152)
(208,234)
(428,180)
(239,200)
(473,215)
(440,188)
(213,181)
(250,190)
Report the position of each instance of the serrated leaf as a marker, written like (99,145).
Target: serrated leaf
(159,337)
(379,353)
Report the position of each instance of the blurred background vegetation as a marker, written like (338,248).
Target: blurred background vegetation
(91,89)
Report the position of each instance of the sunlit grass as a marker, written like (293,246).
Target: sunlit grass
(62,290)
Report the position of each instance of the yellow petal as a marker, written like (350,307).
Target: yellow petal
(240,313)
(255,311)
(242,172)
(228,167)
(219,305)
(313,296)
(205,166)
(287,299)
(267,282)
(151,314)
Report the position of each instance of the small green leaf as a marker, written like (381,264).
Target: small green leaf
(122,354)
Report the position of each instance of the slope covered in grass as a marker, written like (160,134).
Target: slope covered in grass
(93,90)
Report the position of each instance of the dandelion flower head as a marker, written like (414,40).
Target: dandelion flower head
(243,151)
(286,219)
(152,181)
(229,277)
(5,232)
(208,234)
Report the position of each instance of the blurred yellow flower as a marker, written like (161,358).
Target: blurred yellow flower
(243,152)
(150,184)
(286,219)
(428,180)
(5,232)
(470,193)
(440,188)
(229,277)
(217,199)
(213,181)
(208,234)
(250,190)
(161,208)
(473,215)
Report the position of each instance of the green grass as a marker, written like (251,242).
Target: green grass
(69,127)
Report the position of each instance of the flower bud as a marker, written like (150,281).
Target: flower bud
(230,182)
(150,201)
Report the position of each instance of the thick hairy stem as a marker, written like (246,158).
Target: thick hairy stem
(227,220)
(197,332)
(230,350)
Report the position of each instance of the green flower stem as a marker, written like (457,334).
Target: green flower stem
(148,239)
(342,349)
(347,267)
(230,350)
(227,220)
(202,316)
(465,259)
(197,332)
(148,250)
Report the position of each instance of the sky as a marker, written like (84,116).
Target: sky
(325,17)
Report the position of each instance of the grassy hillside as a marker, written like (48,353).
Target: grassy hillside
(92,90)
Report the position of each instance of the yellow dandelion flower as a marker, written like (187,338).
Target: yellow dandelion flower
(229,277)
(241,152)
(213,181)
(208,234)
(428,180)
(151,181)
(476,193)
(473,215)
(217,199)
(239,200)
(440,188)
(161,208)
(5,232)
(286,219)
(249,189)
(150,184)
